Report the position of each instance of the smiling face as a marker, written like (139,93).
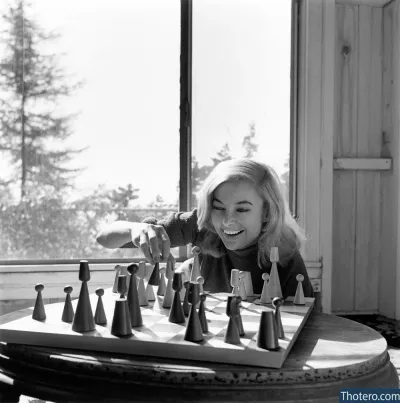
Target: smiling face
(237,214)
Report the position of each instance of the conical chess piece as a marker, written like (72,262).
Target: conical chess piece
(277,303)
(83,319)
(155,275)
(232,335)
(133,297)
(176,314)
(117,269)
(195,272)
(265,298)
(169,292)
(194,331)
(162,286)
(267,336)
(185,304)
(68,311)
(242,287)
(299,297)
(235,282)
(274,284)
(100,315)
(202,313)
(239,317)
(39,312)
(121,323)
(141,274)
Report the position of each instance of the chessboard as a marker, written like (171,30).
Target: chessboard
(158,337)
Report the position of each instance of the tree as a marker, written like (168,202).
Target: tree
(32,84)
(248,143)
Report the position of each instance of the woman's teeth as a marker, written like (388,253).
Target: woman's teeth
(232,233)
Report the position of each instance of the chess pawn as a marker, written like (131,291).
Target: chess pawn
(274,285)
(176,314)
(155,275)
(277,303)
(117,269)
(242,288)
(39,311)
(239,317)
(202,313)
(83,319)
(235,282)
(194,331)
(265,298)
(99,315)
(232,335)
(121,323)
(68,312)
(162,286)
(141,274)
(135,313)
(185,304)
(195,272)
(267,336)
(299,297)
(169,292)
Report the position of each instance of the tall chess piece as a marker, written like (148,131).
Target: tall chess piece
(194,331)
(195,272)
(185,304)
(117,269)
(38,311)
(121,323)
(265,298)
(242,286)
(133,297)
(169,292)
(299,297)
(99,314)
(274,284)
(162,286)
(149,288)
(267,336)
(202,313)
(277,303)
(235,282)
(68,312)
(176,314)
(232,335)
(141,274)
(155,275)
(83,319)
(238,317)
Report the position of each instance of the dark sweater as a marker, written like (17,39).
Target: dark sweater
(182,229)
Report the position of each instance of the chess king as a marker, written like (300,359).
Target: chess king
(241,216)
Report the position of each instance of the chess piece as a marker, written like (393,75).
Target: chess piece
(176,314)
(267,336)
(121,323)
(242,287)
(169,292)
(195,272)
(155,275)
(117,269)
(68,311)
(141,274)
(239,317)
(135,313)
(235,282)
(83,319)
(248,284)
(39,311)
(232,335)
(193,330)
(265,298)
(100,315)
(277,303)
(299,297)
(274,285)
(202,313)
(162,286)
(185,304)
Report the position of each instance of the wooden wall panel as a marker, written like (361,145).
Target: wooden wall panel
(344,145)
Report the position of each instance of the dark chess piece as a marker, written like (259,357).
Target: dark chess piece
(100,315)
(176,314)
(68,312)
(193,330)
(277,302)
(83,318)
(39,312)
(155,275)
(202,313)
(232,335)
(267,337)
(121,324)
(239,317)
(185,304)
(133,297)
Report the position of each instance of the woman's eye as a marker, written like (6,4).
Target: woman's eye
(242,210)
(217,208)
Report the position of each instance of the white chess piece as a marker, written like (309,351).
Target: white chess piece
(235,282)
(274,284)
(265,298)
(299,297)
(242,286)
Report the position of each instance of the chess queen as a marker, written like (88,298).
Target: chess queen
(241,214)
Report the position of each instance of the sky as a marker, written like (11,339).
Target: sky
(127,52)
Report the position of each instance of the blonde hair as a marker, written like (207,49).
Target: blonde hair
(279,229)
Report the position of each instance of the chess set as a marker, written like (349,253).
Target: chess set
(150,311)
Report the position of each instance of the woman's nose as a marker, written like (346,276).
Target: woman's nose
(228,218)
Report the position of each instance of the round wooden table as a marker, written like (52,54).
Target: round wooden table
(331,353)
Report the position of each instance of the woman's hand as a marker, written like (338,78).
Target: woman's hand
(153,241)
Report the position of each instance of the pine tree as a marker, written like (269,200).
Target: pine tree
(31,86)
(248,142)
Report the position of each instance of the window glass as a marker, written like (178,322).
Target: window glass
(89,122)
(241,84)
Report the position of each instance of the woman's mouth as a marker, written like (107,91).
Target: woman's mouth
(231,234)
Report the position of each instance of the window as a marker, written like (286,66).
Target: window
(94,131)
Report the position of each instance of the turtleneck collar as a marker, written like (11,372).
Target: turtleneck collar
(244,253)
